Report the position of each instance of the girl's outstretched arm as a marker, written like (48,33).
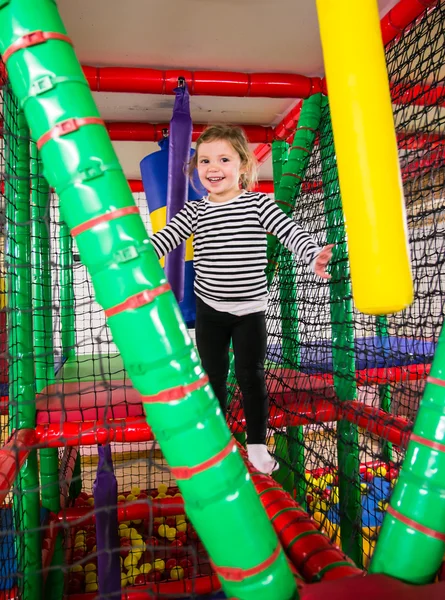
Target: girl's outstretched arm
(178,230)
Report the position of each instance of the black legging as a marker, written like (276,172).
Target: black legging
(214,330)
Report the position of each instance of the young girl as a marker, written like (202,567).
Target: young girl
(229,228)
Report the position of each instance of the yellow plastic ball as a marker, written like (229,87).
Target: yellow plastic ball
(91,587)
(138,544)
(159,565)
(334,497)
(132,573)
(162,488)
(76,568)
(130,561)
(171,534)
(145,568)
(91,577)
(177,573)
(135,490)
(381,472)
(90,567)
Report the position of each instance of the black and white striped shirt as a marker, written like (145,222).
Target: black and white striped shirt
(230,244)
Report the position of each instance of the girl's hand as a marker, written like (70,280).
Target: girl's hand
(322,261)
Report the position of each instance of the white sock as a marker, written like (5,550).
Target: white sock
(261,459)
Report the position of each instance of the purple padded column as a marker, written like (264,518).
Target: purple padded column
(180,139)
(107,537)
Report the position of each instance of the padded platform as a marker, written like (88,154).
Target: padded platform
(86,401)
(370,353)
(87,367)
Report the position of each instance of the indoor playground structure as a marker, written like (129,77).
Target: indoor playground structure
(119,478)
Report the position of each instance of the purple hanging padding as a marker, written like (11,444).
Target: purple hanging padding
(180,139)
(107,537)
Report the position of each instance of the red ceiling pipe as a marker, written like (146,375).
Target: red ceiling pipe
(153,132)
(12,457)
(204,83)
(401,15)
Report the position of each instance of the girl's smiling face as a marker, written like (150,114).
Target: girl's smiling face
(219,169)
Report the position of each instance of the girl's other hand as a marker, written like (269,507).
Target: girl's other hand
(322,261)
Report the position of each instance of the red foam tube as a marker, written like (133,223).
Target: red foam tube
(198,586)
(135,429)
(127,131)
(309,550)
(127,511)
(12,457)
(401,15)
(56,435)
(204,83)
(264,186)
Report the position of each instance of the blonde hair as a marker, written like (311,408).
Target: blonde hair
(237,138)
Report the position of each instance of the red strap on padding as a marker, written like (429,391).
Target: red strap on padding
(110,216)
(189,472)
(415,525)
(66,127)
(418,439)
(33,39)
(436,381)
(237,574)
(138,300)
(176,393)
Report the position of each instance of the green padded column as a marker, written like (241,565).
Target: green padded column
(145,321)
(67,316)
(343,349)
(21,383)
(411,543)
(289,323)
(44,350)
(384,388)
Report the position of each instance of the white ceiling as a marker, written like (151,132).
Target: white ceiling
(237,35)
